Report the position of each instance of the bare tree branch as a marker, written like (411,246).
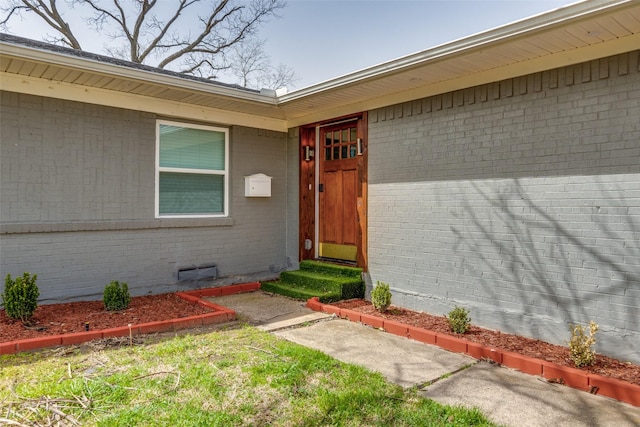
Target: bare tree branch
(198,66)
(252,66)
(172,33)
(279,77)
(248,60)
(118,16)
(200,40)
(163,28)
(11,9)
(48,13)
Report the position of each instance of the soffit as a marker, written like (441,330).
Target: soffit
(96,72)
(570,35)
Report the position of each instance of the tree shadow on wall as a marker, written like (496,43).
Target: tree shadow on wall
(549,259)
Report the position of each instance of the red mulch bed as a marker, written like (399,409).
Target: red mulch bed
(603,365)
(58,319)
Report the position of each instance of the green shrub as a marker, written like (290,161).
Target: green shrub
(20,296)
(116,296)
(352,289)
(381,297)
(581,345)
(459,320)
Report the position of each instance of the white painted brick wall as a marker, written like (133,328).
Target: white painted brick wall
(524,207)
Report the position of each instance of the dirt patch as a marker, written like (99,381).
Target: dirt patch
(58,319)
(603,365)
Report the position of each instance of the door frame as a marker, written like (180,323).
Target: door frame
(309,220)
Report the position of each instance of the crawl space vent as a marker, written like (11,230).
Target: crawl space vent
(202,272)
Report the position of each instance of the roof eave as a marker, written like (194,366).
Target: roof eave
(547,20)
(119,71)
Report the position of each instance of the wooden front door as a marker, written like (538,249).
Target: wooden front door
(339,149)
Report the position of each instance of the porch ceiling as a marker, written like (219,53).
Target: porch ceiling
(573,34)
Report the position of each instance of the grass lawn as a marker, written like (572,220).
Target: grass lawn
(231,377)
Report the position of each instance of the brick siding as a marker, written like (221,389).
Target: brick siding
(519,200)
(77,208)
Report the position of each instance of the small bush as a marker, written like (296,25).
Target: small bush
(116,296)
(20,296)
(459,320)
(581,345)
(381,297)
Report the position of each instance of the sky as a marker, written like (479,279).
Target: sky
(325,39)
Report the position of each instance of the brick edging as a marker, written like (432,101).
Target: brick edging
(572,377)
(220,315)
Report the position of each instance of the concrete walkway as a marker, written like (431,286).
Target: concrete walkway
(505,396)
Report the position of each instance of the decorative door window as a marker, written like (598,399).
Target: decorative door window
(341,144)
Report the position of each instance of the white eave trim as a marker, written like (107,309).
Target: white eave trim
(119,71)
(495,37)
(546,20)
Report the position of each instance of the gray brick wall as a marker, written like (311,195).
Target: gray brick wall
(293,198)
(65,161)
(77,203)
(519,200)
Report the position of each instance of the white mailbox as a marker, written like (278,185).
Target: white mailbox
(257,185)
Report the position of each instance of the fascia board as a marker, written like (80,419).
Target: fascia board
(169,109)
(545,21)
(490,75)
(119,71)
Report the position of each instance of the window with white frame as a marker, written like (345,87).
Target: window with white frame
(192,164)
